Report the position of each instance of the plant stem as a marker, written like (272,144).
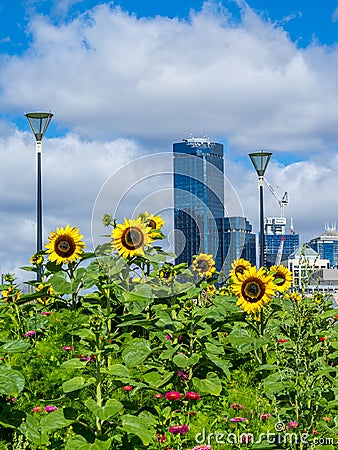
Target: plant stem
(98,380)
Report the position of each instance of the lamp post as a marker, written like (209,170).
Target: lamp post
(39,122)
(260,160)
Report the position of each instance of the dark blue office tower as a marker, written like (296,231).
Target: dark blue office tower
(198,197)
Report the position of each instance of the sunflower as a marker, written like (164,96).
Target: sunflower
(131,237)
(210,289)
(240,265)
(36,259)
(254,289)
(46,298)
(282,277)
(154,222)
(204,265)
(11,294)
(65,245)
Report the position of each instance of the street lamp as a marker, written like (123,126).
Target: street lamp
(39,122)
(260,160)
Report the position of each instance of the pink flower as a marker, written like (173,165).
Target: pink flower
(292,425)
(315,432)
(192,396)
(127,388)
(236,406)
(29,333)
(47,313)
(50,408)
(168,337)
(326,419)
(179,429)
(158,395)
(161,438)
(172,395)
(202,447)
(37,409)
(264,416)
(183,375)
(246,438)
(68,348)
(14,399)
(238,419)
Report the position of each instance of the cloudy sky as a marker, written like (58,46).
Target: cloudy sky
(126,79)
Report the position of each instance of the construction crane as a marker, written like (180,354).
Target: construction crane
(280,252)
(283,201)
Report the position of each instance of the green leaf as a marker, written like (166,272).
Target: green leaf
(185,361)
(61,285)
(54,421)
(118,370)
(111,408)
(244,342)
(76,383)
(137,426)
(210,385)
(156,380)
(15,346)
(221,363)
(11,381)
(30,428)
(80,443)
(136,353)
(74,363)
(85,334)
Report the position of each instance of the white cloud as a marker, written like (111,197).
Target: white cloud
(335,15)
(73,172)
(108,73)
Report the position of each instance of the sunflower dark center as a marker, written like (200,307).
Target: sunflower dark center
(279,279)
(132,238)
(202,265)
(64,246)
(152,224)
(239,269)
(253,290)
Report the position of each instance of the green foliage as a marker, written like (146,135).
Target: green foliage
(89,367)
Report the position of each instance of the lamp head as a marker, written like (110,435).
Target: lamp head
(39,122)
(260,160)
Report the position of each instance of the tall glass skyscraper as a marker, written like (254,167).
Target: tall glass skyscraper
(236,241)
(198,197)
(327,245)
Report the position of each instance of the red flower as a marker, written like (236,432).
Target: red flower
(236,406)
(192,396)
(281,341)
(127,388)
(181,429)
(238,419)
(172,395)
(322,339)
(161,438)
(68,348)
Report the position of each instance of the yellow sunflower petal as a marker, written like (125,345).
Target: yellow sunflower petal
(239,266)
(282,277)
(254,289)
(131,238)
(204,265)
(65,245)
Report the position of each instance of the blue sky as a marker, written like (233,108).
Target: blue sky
(304,20)
(126,79)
